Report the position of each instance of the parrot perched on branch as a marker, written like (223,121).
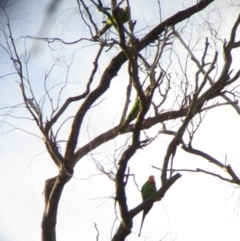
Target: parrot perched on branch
(134,110)
(123,16)
(148,189)
(132,114)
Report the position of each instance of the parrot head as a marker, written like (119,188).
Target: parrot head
(126,8)
(151,179)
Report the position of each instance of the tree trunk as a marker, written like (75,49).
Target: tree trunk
(52,194)
(122,233)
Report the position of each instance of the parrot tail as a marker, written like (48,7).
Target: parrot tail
(102,31)
(145,212)
(123,125)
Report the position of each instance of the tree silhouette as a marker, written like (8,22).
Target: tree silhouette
(181,70)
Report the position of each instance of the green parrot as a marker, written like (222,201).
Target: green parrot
(123,16)
(132,114)
(148,189)
(134,110)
